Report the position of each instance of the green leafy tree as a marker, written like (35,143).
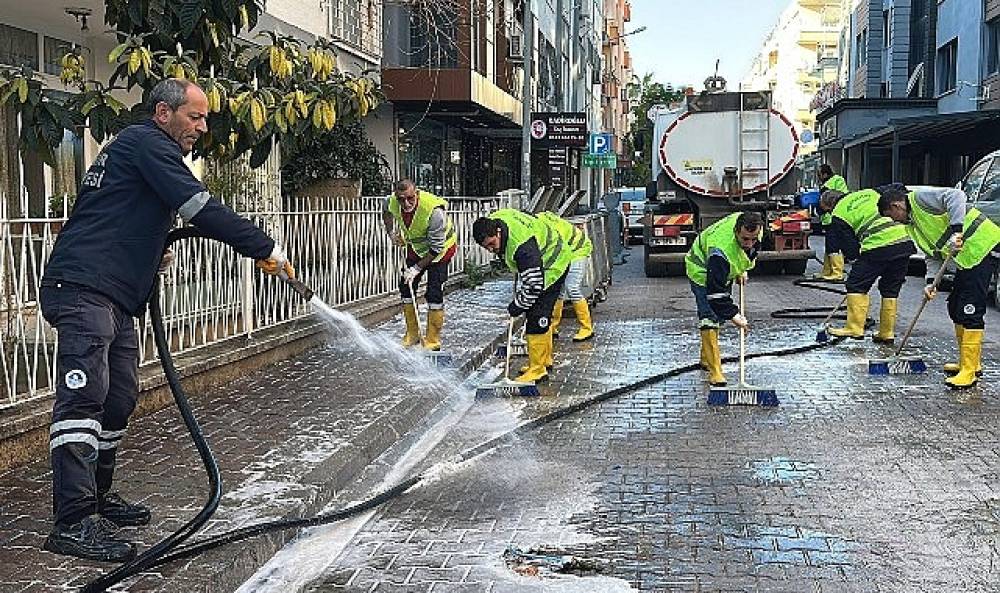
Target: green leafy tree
(645,93)
(344,152)
(258,93)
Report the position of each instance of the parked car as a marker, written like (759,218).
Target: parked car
(982,185)
(631,202)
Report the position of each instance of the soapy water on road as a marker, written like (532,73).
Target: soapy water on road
(410,365)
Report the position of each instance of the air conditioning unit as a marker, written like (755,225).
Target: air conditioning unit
(515,50)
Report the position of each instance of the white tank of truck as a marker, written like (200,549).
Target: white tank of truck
(712,147)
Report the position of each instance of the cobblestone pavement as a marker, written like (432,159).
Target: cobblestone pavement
(854,483)
(285,437)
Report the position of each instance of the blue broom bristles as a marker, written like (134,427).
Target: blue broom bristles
(515,350)
(441,359)
(902,366)
(507,389)
(822,336)
(742,396)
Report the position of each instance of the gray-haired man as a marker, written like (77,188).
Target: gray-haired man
(97,281)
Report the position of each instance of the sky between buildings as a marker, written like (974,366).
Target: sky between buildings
(683,38)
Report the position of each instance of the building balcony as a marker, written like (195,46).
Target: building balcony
(452,91)
(816,38)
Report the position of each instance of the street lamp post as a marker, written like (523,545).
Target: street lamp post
(527,49)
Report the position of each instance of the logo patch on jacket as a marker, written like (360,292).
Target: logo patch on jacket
(76,379)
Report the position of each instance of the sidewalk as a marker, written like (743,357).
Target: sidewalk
(287,438)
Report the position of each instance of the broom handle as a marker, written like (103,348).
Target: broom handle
(413,295)
(743,337)
(510,334)
(835,309)
(933,286)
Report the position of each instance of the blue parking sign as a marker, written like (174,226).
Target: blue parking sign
(600,143)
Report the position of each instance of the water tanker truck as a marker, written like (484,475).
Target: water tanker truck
(717,153)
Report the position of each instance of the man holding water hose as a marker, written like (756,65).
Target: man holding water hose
(939,223)
(419,220)
(97,281)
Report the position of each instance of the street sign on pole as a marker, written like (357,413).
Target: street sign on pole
(601,161)
(600,143)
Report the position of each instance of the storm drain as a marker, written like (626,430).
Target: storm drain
(538,562)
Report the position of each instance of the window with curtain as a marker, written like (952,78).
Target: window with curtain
(947,62)
(55,49)
(993,47)
(18,47)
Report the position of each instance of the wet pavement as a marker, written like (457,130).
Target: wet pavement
(287,438)
(853,483)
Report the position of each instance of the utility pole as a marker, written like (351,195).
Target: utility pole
(527,50)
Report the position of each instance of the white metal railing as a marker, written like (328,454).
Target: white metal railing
(212,294)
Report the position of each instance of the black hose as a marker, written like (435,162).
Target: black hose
(151,557)
(813,312)
(168,551)
(481,449)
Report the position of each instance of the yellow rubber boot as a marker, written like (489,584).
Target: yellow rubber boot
(886,322)
(714,359)
(549,350)
(557,311)
(969,359)
(435,321)
(412,336)
(954,367)
(586,331)
(857,311)
(826,269)
(705,352)
(547,360)
(836,268)
(537,351)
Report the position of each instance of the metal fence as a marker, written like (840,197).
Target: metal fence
(211,294)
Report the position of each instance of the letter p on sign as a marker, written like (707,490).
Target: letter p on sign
(600,143)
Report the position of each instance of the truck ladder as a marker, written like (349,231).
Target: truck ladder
(754,145)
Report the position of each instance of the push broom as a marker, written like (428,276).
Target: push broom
(742,394)
(823,333)
(507,387)
(518,346)
(438,358)
(896,365)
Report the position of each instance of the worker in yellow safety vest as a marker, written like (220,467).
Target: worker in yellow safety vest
(582,248)
(533,249)
(419,221)
(833,260)
(882,249)
(721,254)
(939,222)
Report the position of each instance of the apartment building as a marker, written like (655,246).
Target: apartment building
(921,103)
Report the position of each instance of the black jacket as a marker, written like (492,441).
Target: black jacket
(128,201)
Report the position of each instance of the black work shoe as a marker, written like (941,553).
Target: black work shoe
(122,513)
(91,539)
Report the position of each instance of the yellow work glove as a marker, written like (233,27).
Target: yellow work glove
(277,263)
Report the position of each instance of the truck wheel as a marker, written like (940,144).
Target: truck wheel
(767,268)
(795,267)
(675,270)
(655,270)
